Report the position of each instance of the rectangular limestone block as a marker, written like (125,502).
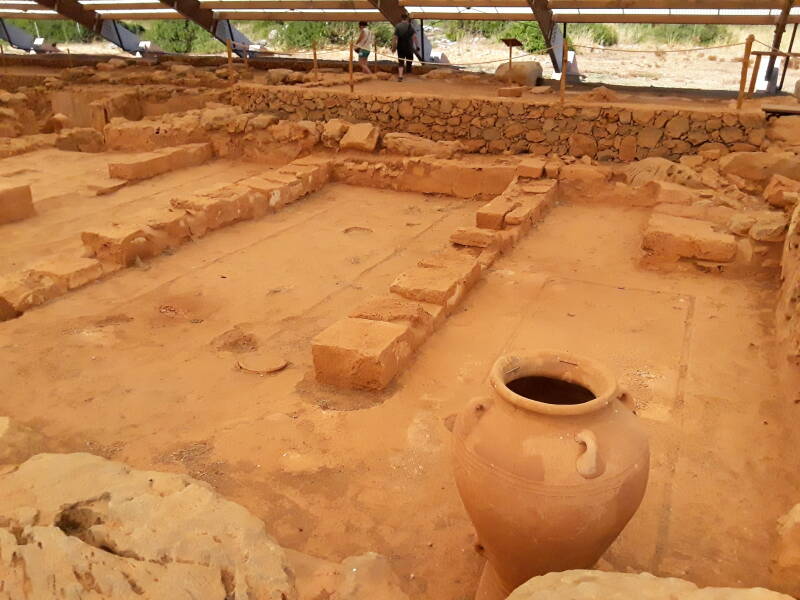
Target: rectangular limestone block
(313,176)
(322,163)
(532,167)
(674,237)
(442,283)
(465,265)
(361,353)
(474,236)
(72,272)
(16,203)
(492,214)
(154,163)
(140,167)
(521,214)
(420,317)
(291,188)
(511,92)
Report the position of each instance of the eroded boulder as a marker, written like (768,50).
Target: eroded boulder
(522,73)
(361,136)
(661,169)
(408,144)
(600,585)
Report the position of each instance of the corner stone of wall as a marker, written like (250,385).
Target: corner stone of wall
(494,126)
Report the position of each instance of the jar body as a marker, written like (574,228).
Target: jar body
(534,504)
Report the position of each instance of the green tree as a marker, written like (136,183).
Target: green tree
(182,36)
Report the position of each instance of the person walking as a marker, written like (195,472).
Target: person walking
(405,42)
(365,41)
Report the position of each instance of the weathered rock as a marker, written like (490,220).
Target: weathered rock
(582,145)
(511,91)
(16,204)
(782,191)
(671,238)
(601,585)
(333,131)
(81,139)
(522,73)
(276,76)
(661,169)
(760,166)
(408,144)
(785,129)
(769,226)
(91,528)
(361,136)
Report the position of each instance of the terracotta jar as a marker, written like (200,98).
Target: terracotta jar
(550,468)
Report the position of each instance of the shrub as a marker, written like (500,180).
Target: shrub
(182,36)
(56,30)
(694,35)
(528,33)
(599,33)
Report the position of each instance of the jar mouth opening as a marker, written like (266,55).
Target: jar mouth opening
(553,382)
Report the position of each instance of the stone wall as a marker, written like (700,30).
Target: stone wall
(540,126)
(788,309)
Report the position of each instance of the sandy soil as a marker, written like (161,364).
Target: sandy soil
(127,368)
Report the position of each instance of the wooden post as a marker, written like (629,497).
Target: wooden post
(351,66)
(230,53)
(375,53)
(314,50)
(754,76)
(509,65)
(748,45)
(3,52)
(246,56)
(564,59)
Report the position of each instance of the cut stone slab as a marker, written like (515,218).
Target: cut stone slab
(161,161)
(676,237)
(360,353)
(511,92)
(16,204)
(421,317)
(474,236)
(72,272)
(407,144)
(602,585)
(492,214)
(437,282)
(532,167)
(361,136)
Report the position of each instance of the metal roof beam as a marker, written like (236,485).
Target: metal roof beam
(114,32)
(222,29)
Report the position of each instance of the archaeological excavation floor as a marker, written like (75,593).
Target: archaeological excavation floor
(127,368)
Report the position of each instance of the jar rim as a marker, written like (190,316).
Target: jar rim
(564,366)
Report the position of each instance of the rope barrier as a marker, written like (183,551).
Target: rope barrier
(469,64)
(700,48)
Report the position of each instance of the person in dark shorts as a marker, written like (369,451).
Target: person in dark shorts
(405,41)
(363,44)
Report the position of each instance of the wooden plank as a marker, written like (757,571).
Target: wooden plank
(137,16)
(781,109)
(124,6)
(286,5)
(601,4)
(300,16)
(6,14)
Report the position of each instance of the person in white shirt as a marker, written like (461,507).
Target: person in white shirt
(363,44)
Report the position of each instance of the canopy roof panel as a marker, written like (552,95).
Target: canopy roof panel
(740,12)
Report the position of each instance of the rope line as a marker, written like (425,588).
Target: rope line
(659,51)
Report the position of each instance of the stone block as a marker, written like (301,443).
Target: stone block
(474,236)
(361,136)
(162,161)
(16,203)
(361,353)
(420,317)
(520,214)
(291,188)
(437,281)
(492,214)
(675,237)
(782,191)
(511,92)
(106,185)
(71,272)
(532,167)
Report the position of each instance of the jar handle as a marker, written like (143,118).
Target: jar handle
(588,464)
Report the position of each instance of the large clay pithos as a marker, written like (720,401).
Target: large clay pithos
(550,468)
